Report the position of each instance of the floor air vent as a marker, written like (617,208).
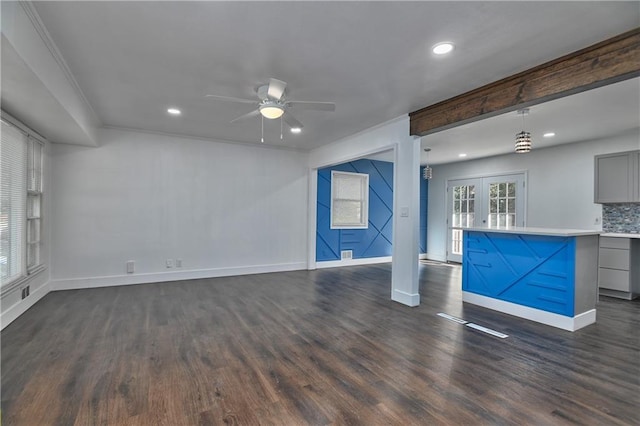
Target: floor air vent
(346,254)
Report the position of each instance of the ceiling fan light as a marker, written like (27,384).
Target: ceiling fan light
(271,111)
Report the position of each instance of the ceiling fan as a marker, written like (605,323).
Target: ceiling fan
(272,103)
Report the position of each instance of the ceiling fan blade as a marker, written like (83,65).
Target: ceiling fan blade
(316,106)
(254,113)
(276,89)
(291,121)
(232,99)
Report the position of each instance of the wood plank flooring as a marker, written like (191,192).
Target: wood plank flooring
(311,348)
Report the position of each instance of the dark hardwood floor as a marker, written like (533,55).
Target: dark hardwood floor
(311,347)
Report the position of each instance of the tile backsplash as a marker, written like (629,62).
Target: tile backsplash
(622,218)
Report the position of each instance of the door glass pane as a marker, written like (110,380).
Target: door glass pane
(463,214)
(502,189)
(502,204)
(456,246)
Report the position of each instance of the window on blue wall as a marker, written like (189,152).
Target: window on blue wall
(349,200)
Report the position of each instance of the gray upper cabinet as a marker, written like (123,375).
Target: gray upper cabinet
(617,178)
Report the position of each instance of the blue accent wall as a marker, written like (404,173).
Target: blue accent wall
(376,241)
(530,270)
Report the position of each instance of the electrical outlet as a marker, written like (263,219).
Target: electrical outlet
(178,263)
(131,267)
(169,263)
(25,292)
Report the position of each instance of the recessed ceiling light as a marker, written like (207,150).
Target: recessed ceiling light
(549,135)
(442,48)
(174,111)
(296,130)
(462,155)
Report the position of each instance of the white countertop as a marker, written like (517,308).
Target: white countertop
(617,235)
(538,231)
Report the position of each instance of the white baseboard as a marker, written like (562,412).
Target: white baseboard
(19,308)
(537,315)
(411,300)
(115,280)
(435,257)
(353,262)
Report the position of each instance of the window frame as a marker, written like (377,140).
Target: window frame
(34,185)
(363,200)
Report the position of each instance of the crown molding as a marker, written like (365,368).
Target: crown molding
(205,139)
(38,25)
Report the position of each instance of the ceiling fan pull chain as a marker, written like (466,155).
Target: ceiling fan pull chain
(281,128)
(262,129)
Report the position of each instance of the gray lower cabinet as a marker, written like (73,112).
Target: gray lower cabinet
(617,178)
(619,267)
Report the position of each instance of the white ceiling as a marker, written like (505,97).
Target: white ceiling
(133,60)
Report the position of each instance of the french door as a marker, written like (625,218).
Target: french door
(495,201)
(463,195)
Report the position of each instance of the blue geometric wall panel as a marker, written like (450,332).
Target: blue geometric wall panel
(370,242)
(530,270)
(376,240)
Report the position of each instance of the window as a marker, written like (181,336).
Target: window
(34,202)
(502,204)
(349,200)
(20,204)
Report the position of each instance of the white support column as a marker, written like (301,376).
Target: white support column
(406,222)
(312,221)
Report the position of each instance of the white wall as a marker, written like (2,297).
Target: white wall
(223,208)
(560,185)
(373,140)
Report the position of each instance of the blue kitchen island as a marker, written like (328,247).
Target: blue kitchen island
(541,274)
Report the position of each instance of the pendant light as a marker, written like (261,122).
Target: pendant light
(427,172)
(523,139)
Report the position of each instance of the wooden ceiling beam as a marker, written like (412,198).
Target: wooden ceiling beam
(607,62)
